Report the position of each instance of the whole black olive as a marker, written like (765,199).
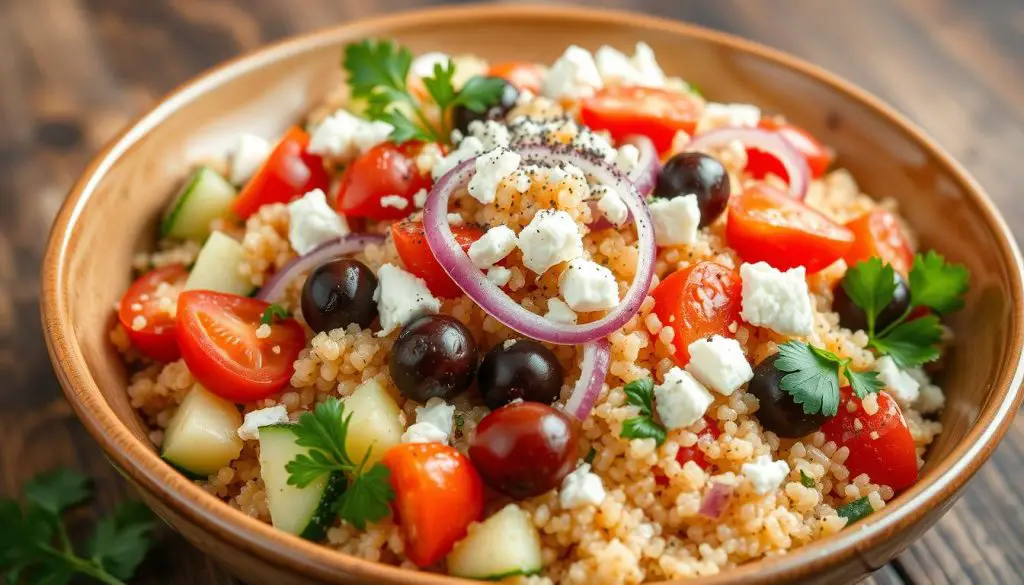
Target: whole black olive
(778,412)
(434,356)
(698,174)
(520,369)
(462,116)
(853,317)
(339,293)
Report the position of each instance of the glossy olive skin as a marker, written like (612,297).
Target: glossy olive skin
(524,370)
(698,174)
(525,449)
(853,317)
(435,356)
(778,412)
(462,116)
(339,293)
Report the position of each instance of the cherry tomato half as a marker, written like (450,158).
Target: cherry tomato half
(880,444)
(818,156)
(386,170)
(156,337)
(218,340)
(877,233)
(655,113)
(768,225)
(288,172)
(693,453)
(438,494)
(411,243)
(522,74)
(697,302)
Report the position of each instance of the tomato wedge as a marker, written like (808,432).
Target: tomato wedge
(522,74)
(411,243)
(217,333)
(438,494)
(818,156)
(655,113)
(372,182)
(697,302)
(768,225)
(877,233)
(289,172)
(143,312)
(880,444)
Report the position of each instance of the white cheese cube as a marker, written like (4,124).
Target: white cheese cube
(611,205)
(573,75)
(550,237)
(676,220)
(717,115)
(250,153)
(468,148)
(345,136)
(930,398)
(493,246)
(901,385)
(648,71)
(423,66)
(719,364)
(423,432)
(680,399)
(491,168)
(250,429)
(395,201)
(401,297)
(419,198)
(613,65)
(499,275)
(627,158)
(581,488)
(491,134)
(588,286)
(313,222)
(559,312)
(438,413)
(777,300)
(765,475)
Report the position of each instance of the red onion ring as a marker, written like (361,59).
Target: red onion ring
(492,299)
(716,500)
(593,371)
(767,142)
(645,175)
(275,288)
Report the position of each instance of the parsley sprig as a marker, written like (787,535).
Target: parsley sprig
(934,284)
(35,546)
(273,313)
(812,377)
(324,431)
(640,393)
(379,72)
(856,510)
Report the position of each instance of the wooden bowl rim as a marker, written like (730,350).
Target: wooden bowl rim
(145,468)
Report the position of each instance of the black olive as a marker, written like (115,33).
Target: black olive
(853,317)
(778,412)
(523,369)
(698,174)
(434,356)
(339,293)
(462,116)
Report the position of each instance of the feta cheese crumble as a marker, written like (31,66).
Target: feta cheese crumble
(490,133)
(680,399)
(610,205)
(930,398)
(588,286)
(313,222)
(401,297)
(250,429)
(676,220)
(433,423)
(777,300)
(468,148)
(424,433)
(765,475)
(573,75)
(499,275)
(345,136)
(581,488)
(250,153)
(493,246)
(627,158)
(719,364)
(900,384)
(491,168)
(559,312)
(642,69)
(550,237)
(423,66)
(395,201)
(717,115)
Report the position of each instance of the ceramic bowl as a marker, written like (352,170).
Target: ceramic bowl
(111,213)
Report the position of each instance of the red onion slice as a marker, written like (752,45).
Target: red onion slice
(593,371)
(499,305)
(645,175)
(765,141)
(716,500)
(275,288)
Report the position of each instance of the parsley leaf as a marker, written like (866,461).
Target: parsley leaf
(863,383)
(272,313)
(590,455)
(372,64)
(58,490)
(480,93)
(640,393)
(936,284)
(812,377)
(871,286)
(367,498)
(121,540)
(912,343)
(806,480)
(439,85)
(855,510)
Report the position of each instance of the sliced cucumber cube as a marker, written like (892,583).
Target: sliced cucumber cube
(217,267)
(503,545)
(202,436)
(205,197)
(376,423)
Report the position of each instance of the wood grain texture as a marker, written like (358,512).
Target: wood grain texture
(73,72)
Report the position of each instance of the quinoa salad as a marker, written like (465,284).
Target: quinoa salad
(570,323)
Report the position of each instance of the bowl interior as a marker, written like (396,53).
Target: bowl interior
(128,189)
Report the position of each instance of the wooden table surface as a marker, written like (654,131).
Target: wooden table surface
(73,72)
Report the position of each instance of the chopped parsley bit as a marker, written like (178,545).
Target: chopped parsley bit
(806,480)
(640,393)
(812,377)
(855,510)
(460,422)
(590,455)
(273,313)
(934,284)
(369,493)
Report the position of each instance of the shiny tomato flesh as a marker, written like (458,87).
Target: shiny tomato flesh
(692,453)
(218,340)
(411,243)
(289,172)
(438,494)
(818,156)
(768,225)
(880,444)
(155,338)
(655,113)
(697,302)
(386,170)
(877,233)
(522,74)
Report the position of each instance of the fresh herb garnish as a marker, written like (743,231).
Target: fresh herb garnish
(812,377)
(590,455)
(806,480)
(378,72)
(273,313)
(640,393)
(934,284)
(35,546)
(855,510)
(324,431)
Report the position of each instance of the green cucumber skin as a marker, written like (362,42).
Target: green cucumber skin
(519,573)
(170,218)
(189,474)
(325,516)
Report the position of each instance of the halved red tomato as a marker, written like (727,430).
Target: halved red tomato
(697,302)
(768,225)
(218,336)
(411,243)
(289,172)
(380,184)
(522,74)
(655,113)
(818,156)
(143,314)
(880,444)
(877,233)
